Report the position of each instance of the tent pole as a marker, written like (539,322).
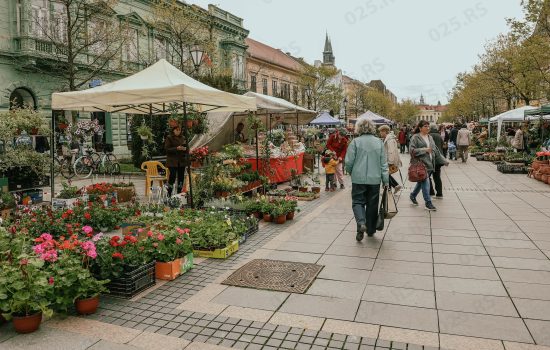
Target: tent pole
(297,125)
(234,140)
(52,154)
(187,155)
(257,147)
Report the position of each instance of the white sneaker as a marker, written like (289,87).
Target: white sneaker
(397,188)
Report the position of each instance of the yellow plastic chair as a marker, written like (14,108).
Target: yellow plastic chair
(152,174)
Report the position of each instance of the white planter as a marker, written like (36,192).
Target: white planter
(62,203)
(144,138)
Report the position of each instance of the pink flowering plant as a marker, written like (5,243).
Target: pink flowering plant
(168,244)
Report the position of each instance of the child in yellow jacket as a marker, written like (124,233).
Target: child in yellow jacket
(330,162)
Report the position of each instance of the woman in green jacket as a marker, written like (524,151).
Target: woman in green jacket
(366,162)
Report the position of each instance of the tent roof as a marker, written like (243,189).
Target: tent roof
(542,110)
(154,87)
(511,115)
(374,117)
(325,119)
(280,107)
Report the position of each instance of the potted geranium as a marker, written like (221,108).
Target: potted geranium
(198,155)
(66,197)
(25,290)
(167,247)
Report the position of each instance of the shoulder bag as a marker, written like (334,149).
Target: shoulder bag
(417,170)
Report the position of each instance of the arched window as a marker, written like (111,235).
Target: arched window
(22,97)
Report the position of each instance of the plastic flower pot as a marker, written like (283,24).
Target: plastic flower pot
(27,324)
(87,306)
(281,219)
(168,270)
(290,215)
(303,189)
(267,217)
(144,138)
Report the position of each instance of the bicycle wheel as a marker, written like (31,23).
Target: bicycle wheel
(57,165)
(66,169)
(83,167)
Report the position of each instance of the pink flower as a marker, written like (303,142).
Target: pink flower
(160,237)
(178,241)
(50,280)
(149,233)
(87,229)
(24,261)
(92,254)
(46,236)
(155,245)
(38,249)
(97,237)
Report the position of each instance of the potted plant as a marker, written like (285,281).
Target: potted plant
(67,197)
(292,206)
(25,287)
(278,212)
(316,188)
(125,192)
(145,132)
(266,209)
(198,155)
(7,203)
(168,247)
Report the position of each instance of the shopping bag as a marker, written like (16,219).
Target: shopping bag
(417,171)
(391,206)
(382,211)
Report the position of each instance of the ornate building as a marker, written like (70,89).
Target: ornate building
(430,113)
(31,42)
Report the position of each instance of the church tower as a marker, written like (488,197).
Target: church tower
(328,56)
(422,99)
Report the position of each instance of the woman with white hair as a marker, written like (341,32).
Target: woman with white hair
(366,162)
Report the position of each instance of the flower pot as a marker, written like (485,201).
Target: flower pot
(538,163)
(256,214)
(87,306)
(144,138)
(168,270)
(189,124)
(290,216)
(27,324)
(172,123)
(62,126)
(303,189)
(281,219)
(195,122)
(267,217)
(125,194)
(544,178)
(316,189)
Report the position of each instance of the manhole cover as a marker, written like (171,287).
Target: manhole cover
(283,276)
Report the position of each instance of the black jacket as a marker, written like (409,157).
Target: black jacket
(453,135)
(174,157)
(437,140)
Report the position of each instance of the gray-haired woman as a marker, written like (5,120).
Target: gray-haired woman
(366,162)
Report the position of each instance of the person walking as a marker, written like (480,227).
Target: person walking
(438,140)
(392,155)
(402,137)
(424,149)
(517,141)
(330,162)
(338,143)
(366,162)
(444,134)
(175,147)
(453,135)
(463,139)
(408,135)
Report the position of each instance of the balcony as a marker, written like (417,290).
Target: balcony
(38,47)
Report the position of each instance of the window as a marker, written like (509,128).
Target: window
(295,94)
(132,46)
(274,88)
(96,32)
(18,17)
(303,97)
(264,86)
(253,82)
(40,16)
(160,48)
(59,25)
(238,67)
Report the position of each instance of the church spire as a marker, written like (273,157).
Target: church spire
(422,99)
(328,56)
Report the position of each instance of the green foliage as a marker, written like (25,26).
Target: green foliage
(168,244)
(68,191)
(7,200)
(159,127)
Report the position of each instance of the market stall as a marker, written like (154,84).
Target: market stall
(377,119)
(152,91)
(325,119)
(508,117)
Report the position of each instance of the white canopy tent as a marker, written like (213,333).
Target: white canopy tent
(276,111)
(514,115)
(375,118)
(151,91)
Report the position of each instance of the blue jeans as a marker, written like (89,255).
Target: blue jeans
(425,187)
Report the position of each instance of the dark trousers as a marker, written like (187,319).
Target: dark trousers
(437,180)
(364,200)
(330,182)
(402,148)
(180,173)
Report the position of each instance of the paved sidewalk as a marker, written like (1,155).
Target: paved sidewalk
(473,275)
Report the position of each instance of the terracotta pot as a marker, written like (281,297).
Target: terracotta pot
(27,324)
(281,219)
(545,169)
(290,216)
(267,217)
(168,270)
(87,306)
(538,163)
(303,189)
(538,176)
(172,123)
(544,178)
(316,189)
(189,124)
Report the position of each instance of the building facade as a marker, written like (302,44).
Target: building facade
(272,72)
(430,113)
(28,29)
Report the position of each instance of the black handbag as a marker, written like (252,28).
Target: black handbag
(382,210)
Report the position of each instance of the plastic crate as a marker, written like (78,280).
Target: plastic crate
(133,281)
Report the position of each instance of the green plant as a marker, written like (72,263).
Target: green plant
(68,191)
(145,132)
(278,209)
(117,254)
(232,151)
(7,200)
(25,287)
(169,244)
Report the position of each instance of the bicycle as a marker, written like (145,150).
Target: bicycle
(93,162)
(63,164)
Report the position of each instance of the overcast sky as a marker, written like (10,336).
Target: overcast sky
(413,46)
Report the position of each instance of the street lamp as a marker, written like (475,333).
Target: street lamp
(346,111)
(196,56)
(308,94)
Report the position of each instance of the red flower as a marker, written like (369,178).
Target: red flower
(50,280)
(87,216)
(117,255)
(23,261)
(160,237)
(150,234)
